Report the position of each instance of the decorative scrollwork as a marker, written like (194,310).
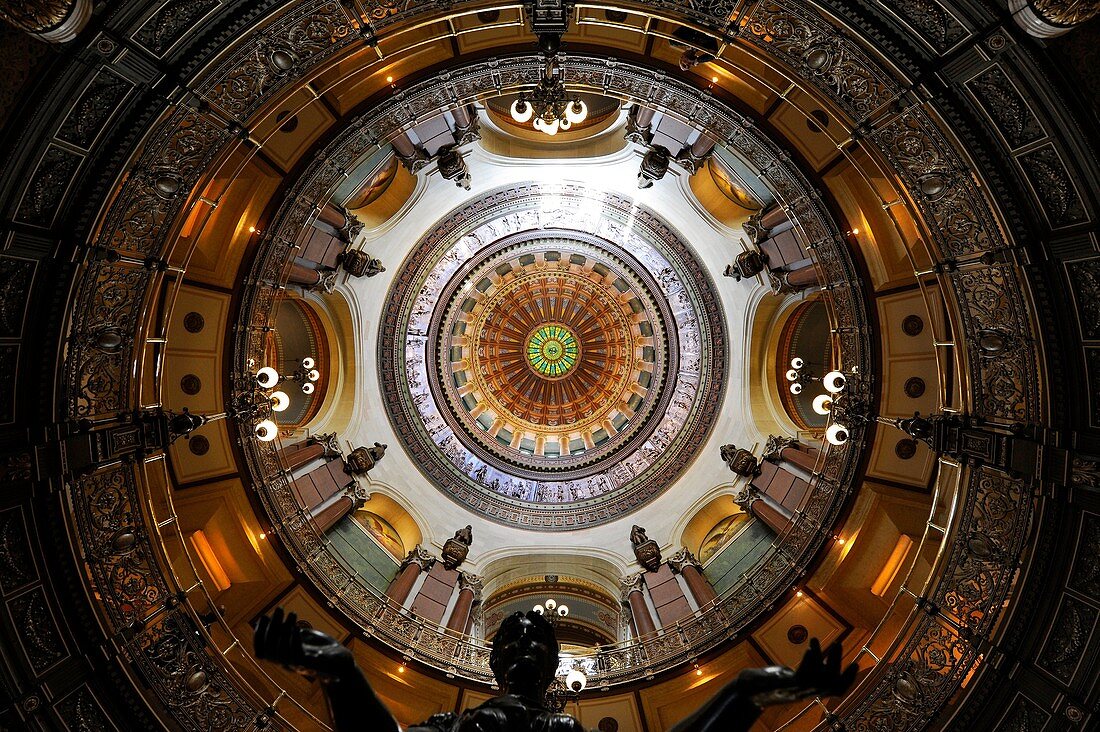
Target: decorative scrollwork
(119,555)
(97,364)
(171,654)
(285,50)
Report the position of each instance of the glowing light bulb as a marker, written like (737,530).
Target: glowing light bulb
(576,111)
(834,382)
(539,609)
(796,388)
(576,681)
(279,401)
(308,363)
(698,672)
(836,434)
(823,404)
(797,362)
(267,377)
(550,604)
(313,375)
(792,375)
(267,431)
(263,535)
(522,111)
(563,610)
(308,387)
(549,128)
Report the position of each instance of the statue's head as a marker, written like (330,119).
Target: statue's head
(525,655)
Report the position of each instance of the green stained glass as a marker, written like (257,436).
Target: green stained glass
(552,351)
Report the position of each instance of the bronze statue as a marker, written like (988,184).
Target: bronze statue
(740,461)
(456,549)
(646,550)
(362,459)
(360,264)
(523,660)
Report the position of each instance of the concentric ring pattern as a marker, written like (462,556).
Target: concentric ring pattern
(553,352)
(552,378)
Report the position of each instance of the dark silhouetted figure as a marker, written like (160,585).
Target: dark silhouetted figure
(523,660)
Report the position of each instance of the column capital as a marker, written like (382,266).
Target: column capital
(329,441)
(472,582)
(630,583)
(681,559)
(419,556)
(775,445)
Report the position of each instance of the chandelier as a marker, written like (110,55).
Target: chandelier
(561,690)
(549,104)
(834,383)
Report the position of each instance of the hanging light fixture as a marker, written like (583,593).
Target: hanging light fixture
(306,374)
(833,382)
(549,104)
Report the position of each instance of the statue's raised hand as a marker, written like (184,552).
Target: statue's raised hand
(354,704)
(281,639)
(738,705)
(819,674)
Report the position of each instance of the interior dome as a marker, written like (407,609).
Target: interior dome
(546,355)
(623,300)
(793,336)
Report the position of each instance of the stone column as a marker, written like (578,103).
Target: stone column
(643,116)
(53,21)
(1050,18)
(461,115)
(332,216)
(469,590)
(806,460)
(702,147)
(773,218)
(774,516)
(418,560)
(299,456)
(684,563)
(639,611)
(801,279)
(403,146)
(304,276)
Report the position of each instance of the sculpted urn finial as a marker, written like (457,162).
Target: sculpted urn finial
(457,547)
(646,550)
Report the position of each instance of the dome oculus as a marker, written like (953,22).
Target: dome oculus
(552,351)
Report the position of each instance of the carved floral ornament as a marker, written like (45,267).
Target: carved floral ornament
(960,223)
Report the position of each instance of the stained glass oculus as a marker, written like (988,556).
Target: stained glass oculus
(552,351)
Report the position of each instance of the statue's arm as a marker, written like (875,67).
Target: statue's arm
(737,706)
(354,705)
